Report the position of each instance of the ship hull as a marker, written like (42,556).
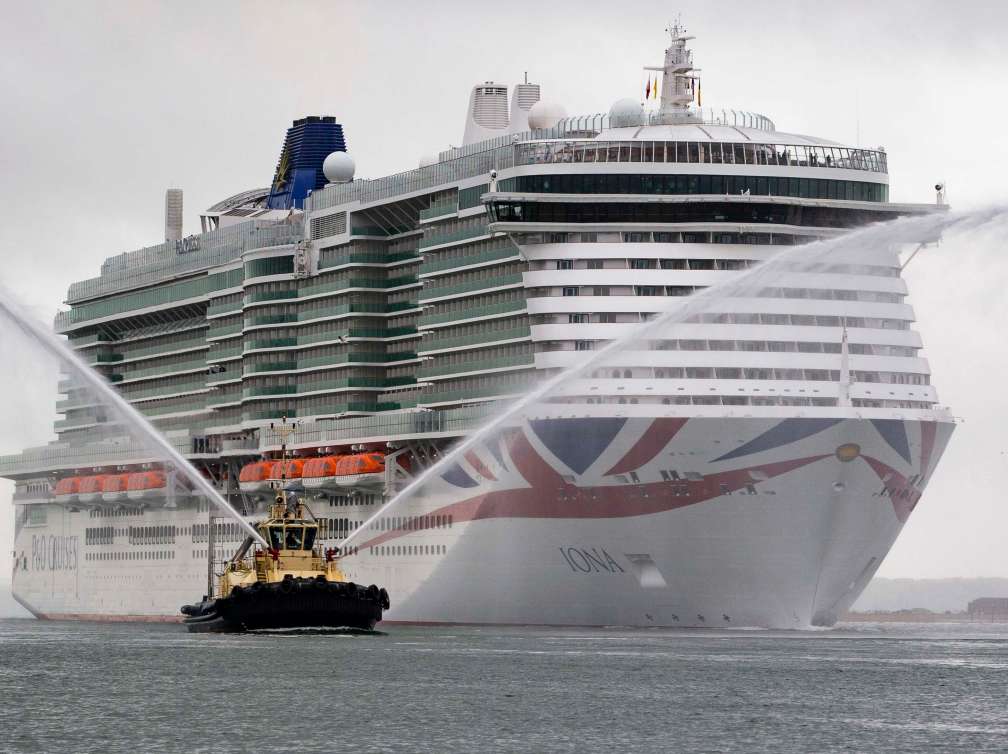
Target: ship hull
(638,521)
(289,604)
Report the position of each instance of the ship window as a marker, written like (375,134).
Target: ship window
(309,537)
(294,537)
(276,537)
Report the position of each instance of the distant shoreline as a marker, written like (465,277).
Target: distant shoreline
(915,615)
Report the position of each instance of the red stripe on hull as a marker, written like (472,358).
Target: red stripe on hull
(550,496)
(651,443)
(901,493)
(480,467)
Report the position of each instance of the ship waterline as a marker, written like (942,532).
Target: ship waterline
(747,464)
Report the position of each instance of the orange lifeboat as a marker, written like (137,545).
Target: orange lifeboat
(114,487)
(360,470)
(318,473)
(292,468)
(254,477)
(67,489)
(91,488)
(146,485)
(291,471)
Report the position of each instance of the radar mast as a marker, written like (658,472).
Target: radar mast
(680,83)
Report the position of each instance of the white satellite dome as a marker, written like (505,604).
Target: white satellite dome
(626,112)
(338,167)
(545,114)
(429,159)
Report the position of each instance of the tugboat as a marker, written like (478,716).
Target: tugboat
(291,584)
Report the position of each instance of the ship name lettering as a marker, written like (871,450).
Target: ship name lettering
(593,560)
(54,553)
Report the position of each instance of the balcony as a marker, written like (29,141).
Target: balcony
(479,365)
(219,310)
(472,313)
(490,391)
(254,298)
(437,264)
(161,391)
(106,357)
(90,340)
(165,370)
(437,239)
(367,258)
(166,348)
(335,311)
(334,410)
(440,209)
(500,281)
(484,338)
(348,383)
(271,319)
(224,331)
(276,366)
(255,345)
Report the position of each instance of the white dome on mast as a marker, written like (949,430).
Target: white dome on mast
(545,114)
(338,167)
(626,112)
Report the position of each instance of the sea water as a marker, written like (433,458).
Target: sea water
(90,687)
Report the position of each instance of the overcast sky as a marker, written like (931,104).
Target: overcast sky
(107,104)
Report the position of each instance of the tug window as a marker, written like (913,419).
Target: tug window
(295,534)
(276,537)
(309,537)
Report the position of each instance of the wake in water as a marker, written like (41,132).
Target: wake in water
(862,246)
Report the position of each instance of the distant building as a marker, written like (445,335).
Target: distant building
(989,609)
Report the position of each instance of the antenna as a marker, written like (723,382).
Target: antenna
(857,118)
(284,430)
(679,79)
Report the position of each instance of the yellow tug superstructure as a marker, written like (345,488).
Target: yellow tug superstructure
(292,552)
(291,582)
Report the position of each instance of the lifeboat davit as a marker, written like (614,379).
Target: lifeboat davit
(91,488)
(114,488)
(67,489)
(360,470)
(254,477)
(147,486)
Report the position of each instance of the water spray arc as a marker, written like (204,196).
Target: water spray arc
(11,310)
(917,230)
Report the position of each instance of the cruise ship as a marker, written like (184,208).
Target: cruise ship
(750,466)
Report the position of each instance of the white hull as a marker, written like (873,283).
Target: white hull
(540,531)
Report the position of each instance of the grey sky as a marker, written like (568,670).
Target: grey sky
(107,104)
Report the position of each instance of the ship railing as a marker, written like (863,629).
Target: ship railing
(170,259)
(392,424)
(699,152)
(478,159)
(69,457)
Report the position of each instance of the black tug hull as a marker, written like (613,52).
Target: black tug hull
(289,604)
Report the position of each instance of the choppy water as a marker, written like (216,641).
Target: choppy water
(76,687)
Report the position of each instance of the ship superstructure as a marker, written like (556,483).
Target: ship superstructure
(752,465)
